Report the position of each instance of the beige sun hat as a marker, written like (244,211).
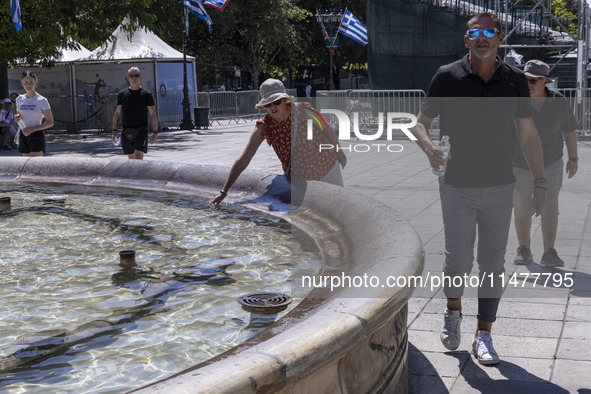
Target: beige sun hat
(272,90)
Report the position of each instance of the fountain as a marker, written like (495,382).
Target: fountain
(341,340)
(70,300)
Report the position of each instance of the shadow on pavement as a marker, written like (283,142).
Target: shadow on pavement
(425,378)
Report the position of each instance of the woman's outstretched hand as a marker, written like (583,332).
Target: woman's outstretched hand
(218,199)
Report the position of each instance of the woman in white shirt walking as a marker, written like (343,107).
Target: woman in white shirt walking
(34,111)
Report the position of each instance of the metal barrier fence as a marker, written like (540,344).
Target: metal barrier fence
(170,108)
(83,112)
(76,113)
(580,102)
(369,104)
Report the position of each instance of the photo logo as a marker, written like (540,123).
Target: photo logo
(315,116)
(395,122)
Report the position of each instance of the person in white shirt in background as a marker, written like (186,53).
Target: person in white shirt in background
(35,113)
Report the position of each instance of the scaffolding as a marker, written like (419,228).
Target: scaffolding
(424,34)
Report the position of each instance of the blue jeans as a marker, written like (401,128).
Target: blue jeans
(467,211)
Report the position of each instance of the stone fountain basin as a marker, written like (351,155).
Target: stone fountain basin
(352,340)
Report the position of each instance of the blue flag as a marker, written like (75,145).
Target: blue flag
(353,28)
(15,14)
(217,4)
(197,9)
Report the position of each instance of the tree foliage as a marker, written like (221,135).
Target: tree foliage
(565,14)
(269,37)
(51,24)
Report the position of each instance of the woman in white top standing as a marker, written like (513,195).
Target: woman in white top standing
(32,109)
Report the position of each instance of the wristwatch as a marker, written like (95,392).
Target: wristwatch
(575,159)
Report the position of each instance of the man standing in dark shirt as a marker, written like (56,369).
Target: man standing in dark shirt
(133,106)
(479,100)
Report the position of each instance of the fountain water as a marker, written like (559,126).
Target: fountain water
(77,318)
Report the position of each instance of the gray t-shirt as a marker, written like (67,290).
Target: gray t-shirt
(552,120)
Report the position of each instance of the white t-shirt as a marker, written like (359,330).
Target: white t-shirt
(31,109)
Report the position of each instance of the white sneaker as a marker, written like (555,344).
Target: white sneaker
(450,333)
(483,350)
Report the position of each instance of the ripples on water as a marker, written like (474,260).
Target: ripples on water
(73,321)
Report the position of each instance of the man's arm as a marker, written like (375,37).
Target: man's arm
(425,142)
(571,147)
(154,119)
(116,118)
(531,146)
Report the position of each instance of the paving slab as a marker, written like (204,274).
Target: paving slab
(569,373)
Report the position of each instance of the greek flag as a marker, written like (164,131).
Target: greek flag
(15,14)
(217,4)
(353,28)
(197,9)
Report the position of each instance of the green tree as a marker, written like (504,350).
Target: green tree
(49,25)
(561,11)
(269,37)
(261,39)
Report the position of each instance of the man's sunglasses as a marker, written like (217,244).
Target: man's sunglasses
(475,33)
(133,76)
(276,102)
(28,74)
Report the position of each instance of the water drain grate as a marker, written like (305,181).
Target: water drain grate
(264,303)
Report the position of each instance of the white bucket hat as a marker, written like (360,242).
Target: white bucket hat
(272,90)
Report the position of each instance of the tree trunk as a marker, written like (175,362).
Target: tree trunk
(255,71)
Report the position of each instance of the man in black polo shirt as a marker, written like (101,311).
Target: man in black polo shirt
(480,100)
(133,105)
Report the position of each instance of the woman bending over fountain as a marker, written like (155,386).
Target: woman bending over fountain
(303,157)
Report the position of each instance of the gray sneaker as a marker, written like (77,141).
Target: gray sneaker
(550,258)
(450,333)
(523,256)
(483,349)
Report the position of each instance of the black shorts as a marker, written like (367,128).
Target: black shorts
(140,142)
(32,143)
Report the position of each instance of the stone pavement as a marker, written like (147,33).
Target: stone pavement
(543,337)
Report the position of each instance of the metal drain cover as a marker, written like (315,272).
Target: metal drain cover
(264,303)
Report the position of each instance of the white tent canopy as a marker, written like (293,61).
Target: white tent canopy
(71,55)
(144,44)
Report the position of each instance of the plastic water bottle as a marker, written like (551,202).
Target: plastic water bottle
(444,147)
(21,124)
(117,140)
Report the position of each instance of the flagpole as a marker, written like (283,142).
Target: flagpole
(186,123)
(332,19)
